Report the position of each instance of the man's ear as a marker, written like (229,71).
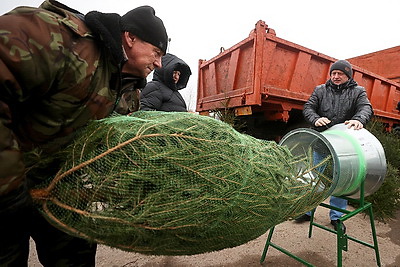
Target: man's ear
(129,38)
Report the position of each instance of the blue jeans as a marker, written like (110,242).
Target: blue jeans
(333,201)
(338,203)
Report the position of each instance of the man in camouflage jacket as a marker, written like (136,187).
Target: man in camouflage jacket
(60,69)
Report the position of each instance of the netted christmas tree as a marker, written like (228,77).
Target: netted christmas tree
(176,184)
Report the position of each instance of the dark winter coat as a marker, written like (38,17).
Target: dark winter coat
(162,93)
(338,103)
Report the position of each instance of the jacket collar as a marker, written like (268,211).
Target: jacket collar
(349,84)
(106,27)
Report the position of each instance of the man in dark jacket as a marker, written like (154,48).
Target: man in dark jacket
(162,93)
(339,100)
(60,69)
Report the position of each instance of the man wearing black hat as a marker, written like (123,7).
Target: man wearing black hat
(59,69)
(339,100)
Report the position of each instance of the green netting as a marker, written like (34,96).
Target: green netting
(176,184)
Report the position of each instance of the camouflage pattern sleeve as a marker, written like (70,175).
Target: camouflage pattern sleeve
(11,165)
(54,78)
(18,56)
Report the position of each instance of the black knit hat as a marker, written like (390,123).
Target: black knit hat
(143,22)
(344,66)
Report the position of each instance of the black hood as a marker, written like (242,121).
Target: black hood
(171,63)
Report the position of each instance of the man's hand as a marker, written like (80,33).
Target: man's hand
(322,122)
(355,124)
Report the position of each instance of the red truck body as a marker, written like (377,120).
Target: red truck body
(384,62)
(266,80)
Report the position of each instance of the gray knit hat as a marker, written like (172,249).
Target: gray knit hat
(344,66)
(143,22)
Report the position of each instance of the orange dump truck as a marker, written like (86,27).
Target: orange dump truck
(266,80)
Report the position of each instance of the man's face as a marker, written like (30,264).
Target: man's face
(143,57)
(338,77)
(175,76)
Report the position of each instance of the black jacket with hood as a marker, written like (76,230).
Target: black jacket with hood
(162,93)
(338,103)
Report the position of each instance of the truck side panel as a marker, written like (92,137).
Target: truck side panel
(228,76)
(384,62)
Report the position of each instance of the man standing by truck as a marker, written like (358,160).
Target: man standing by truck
(339,100)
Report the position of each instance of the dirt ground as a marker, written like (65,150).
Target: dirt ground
(319,250)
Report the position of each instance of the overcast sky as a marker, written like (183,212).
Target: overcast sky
(198,29)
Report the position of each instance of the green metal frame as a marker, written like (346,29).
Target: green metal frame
(342,238)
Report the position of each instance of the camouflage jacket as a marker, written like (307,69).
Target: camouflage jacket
(55,76)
